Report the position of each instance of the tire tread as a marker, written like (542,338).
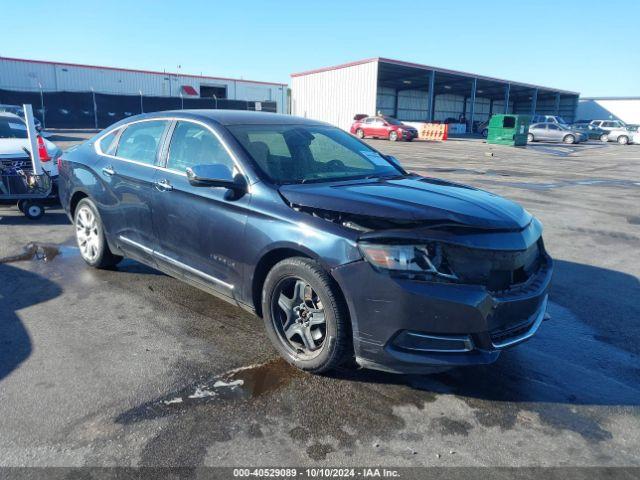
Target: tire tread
(342,349)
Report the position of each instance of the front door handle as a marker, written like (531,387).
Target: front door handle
(163,185)
(108,170)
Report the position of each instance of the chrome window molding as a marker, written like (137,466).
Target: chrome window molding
(175,262)
(98,150)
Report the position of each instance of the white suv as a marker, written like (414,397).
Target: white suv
(616,131)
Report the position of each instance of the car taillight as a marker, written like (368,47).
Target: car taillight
(42,150)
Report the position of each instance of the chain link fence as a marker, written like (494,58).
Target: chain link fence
(99,110)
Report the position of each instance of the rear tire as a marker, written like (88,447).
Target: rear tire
(90,237)
(604,137)
(569,139)
(305,315)
(360,133)
(20,205)
(623,140)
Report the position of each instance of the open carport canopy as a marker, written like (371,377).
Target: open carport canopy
(523,98)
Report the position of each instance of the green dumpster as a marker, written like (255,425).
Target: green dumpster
(509,130)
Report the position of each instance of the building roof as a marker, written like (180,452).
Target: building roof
(609,98)
(400,63)
(119,69)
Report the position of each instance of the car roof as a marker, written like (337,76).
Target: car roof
(230,117)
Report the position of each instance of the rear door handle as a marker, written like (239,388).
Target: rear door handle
(108,170)
(163,185)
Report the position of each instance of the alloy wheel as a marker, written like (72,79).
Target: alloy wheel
(87,234)
(299,317)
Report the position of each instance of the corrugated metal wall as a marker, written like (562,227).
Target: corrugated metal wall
(25,75)
(413,105)
(335,96)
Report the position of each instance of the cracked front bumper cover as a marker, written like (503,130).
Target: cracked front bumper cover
(407,326)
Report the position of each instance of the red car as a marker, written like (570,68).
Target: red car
(383,127)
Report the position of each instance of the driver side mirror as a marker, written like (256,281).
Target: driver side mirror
(216,175)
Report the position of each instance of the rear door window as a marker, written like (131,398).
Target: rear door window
(140,141)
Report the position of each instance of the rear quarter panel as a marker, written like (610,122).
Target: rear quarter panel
(80,174)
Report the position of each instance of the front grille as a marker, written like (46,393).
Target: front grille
(498,270)
(19,163)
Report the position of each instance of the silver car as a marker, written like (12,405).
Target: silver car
(554,132)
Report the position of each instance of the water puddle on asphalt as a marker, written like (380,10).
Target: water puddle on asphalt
(45,252)
(239,384)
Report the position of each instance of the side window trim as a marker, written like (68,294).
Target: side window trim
(115,141)
(163,151)
(171,121)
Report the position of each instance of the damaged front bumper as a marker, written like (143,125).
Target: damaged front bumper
(407,326)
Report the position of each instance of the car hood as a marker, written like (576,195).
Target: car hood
(411,198)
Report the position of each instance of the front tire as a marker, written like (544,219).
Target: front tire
(569,139)
(393,136)
(90,237)
(305,316)
(530,138)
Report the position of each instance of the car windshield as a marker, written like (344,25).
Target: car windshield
(562,121)
(310,153)
(11,127)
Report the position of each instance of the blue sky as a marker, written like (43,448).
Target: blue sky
(587,46)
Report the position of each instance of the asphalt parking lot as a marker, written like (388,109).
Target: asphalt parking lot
(131,367)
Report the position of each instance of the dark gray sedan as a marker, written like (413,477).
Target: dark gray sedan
(553,132)
(344,254)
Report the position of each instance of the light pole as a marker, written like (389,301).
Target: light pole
(216,99)
(141,107)
(44,122)
(181,101)
(95,109)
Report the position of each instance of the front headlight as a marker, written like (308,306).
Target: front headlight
(416,259)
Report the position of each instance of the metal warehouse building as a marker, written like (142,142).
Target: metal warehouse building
(626,109)
(414,92)
(43,76)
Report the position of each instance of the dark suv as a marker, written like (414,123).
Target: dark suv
(343,253)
